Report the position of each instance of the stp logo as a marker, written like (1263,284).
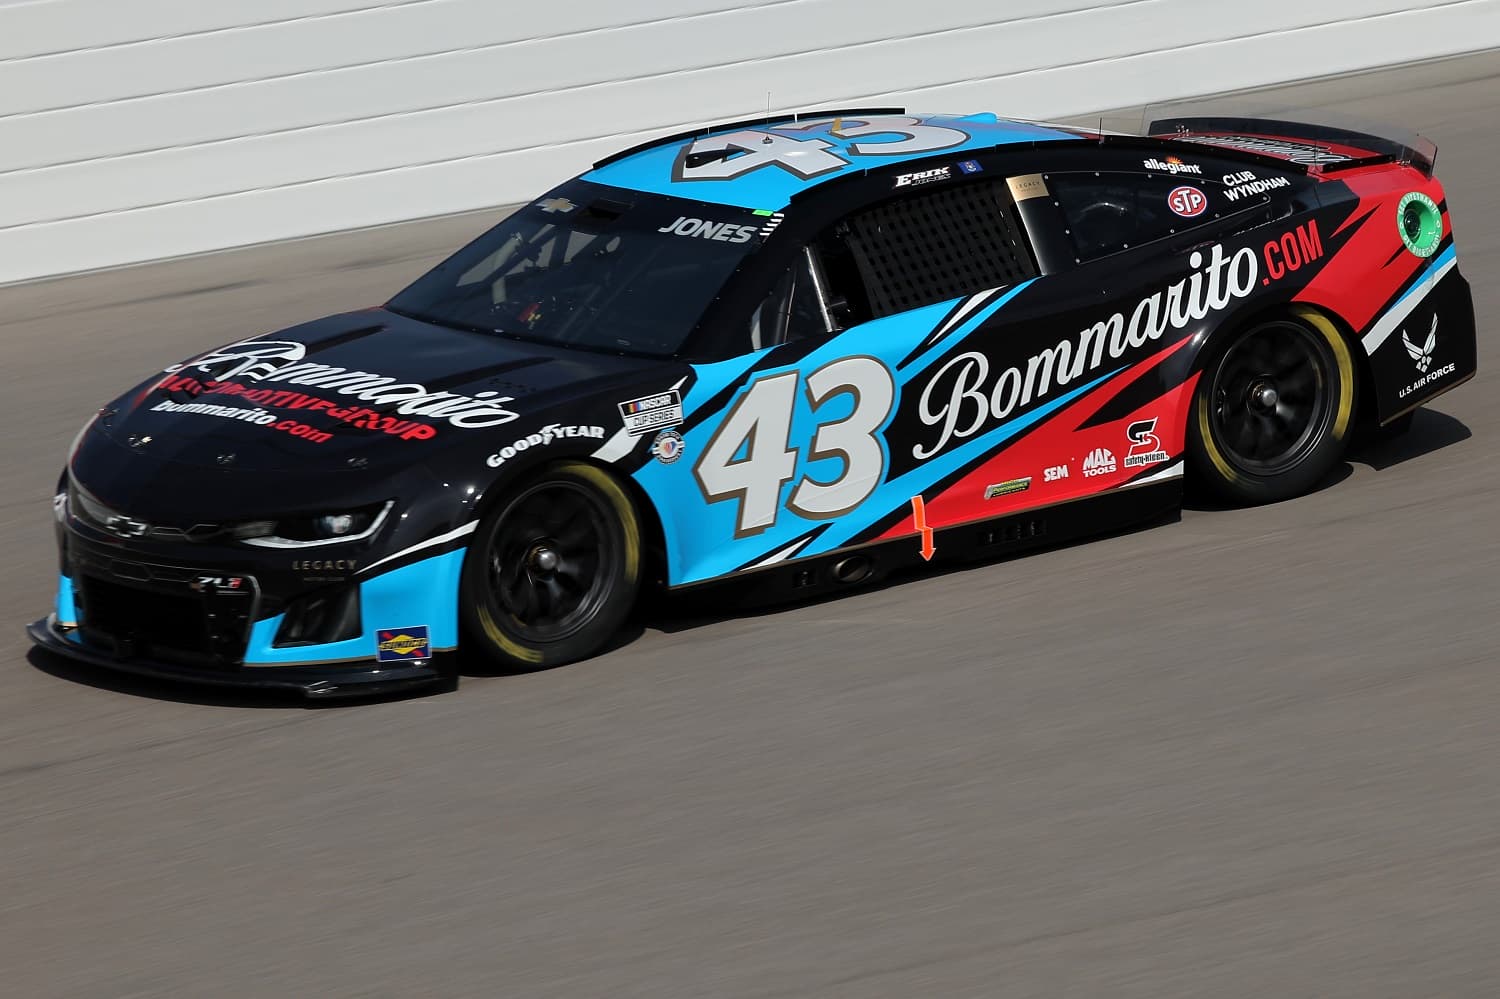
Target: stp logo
(1189,202)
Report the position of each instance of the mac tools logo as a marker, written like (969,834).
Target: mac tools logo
(1100,461)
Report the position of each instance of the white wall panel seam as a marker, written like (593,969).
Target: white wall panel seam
(754,5)
(914,88)
(862,95)
(235,170)
(1447,4)
(497,46)
(626,138)
(217,31)
(823,51)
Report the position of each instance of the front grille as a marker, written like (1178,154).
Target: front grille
(140,611)
(142,623)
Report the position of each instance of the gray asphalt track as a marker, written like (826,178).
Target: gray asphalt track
(1254,753)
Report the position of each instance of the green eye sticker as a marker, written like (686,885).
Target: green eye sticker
(1420,224)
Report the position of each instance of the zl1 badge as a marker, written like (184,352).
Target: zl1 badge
(395,645)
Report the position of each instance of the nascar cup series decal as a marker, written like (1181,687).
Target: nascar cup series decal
(651,412)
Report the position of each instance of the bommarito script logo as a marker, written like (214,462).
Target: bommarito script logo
(280,361)
(962,398)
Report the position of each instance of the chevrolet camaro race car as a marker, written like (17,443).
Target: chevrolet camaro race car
(799,352)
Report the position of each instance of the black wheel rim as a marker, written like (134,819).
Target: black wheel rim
(1271,403)
(550,562)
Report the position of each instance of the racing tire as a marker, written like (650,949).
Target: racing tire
(1273,409)
(553,570)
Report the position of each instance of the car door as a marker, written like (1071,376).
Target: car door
(912,370)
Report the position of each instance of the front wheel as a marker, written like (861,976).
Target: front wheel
(553,570)
(1272,410)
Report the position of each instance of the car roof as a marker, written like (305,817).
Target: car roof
(663,166)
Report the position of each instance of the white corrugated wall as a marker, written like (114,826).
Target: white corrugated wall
(140,129)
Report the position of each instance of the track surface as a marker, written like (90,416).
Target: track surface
(1254,753)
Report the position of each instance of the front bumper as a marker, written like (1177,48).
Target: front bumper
(313,681)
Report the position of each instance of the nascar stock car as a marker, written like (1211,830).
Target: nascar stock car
(803,351)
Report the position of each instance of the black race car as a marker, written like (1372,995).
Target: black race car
(799,351)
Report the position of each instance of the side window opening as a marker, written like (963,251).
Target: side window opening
(900,255)
(923,249)
(1107,212)
(797,307)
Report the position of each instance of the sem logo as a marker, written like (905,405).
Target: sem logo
(1145,446)
(1054,473)
(1189,202)
(1100,461)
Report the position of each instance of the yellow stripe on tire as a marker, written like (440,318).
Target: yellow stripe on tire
(1211,446)
(1340,349)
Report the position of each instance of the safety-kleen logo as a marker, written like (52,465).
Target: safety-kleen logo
(402,644)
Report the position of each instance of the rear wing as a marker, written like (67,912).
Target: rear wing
(1316,140)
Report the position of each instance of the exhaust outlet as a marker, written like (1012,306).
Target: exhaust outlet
(854,569)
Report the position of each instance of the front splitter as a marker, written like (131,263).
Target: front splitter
(353,680)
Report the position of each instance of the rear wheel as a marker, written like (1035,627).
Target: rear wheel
(1273,409)
(553,570)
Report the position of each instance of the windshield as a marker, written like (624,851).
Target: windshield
(591,266)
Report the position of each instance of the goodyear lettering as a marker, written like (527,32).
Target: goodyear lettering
(542,438)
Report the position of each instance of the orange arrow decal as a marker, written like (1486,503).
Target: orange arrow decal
(919,517)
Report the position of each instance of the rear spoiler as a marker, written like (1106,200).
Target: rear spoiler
(1320,148)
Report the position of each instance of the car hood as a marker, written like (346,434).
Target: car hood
(362,390)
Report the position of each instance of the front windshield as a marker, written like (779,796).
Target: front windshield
(591,266)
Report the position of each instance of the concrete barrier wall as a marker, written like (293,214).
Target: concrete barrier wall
(138,129)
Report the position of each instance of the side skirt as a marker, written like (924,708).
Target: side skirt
(988,540)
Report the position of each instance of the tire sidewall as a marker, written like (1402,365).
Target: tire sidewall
(488,631)
(1209,461)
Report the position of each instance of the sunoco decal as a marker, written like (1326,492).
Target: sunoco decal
(394,645)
